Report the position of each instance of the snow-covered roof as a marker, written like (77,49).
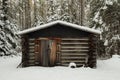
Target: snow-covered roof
(83,28)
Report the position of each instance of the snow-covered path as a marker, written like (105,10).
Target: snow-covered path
(106,70)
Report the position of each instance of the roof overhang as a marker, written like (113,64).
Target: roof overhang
(83,28)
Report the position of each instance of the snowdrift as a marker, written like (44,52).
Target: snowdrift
(106,70)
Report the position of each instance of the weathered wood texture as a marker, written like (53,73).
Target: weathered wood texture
(81,51)
(31,50)
(73,52)
(37,52)
(92,51)
(59,45)
(59,31)
(53,50)
(25,52)
(43,51)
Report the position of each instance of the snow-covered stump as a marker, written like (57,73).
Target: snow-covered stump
(72,65)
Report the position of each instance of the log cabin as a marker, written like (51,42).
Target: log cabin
(59,43)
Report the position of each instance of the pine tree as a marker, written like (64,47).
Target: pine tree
(104,16)
(111,18)
(94,21)
(8,38)
(53,10)
(65,10)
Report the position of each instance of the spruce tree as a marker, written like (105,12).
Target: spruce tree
(111,19)
(104,15)
(8,37)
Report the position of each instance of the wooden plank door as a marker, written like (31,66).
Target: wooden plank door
(42,52)
(46,51)
(49,52)
(53,47)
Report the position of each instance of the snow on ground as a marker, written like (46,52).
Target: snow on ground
(106,70)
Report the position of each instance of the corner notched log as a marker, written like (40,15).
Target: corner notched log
(24,51)
(92,52)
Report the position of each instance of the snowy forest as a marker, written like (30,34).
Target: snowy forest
(103,15)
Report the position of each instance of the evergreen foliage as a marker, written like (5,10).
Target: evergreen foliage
(8,38)
(101,14)
(105,16)
(111,19)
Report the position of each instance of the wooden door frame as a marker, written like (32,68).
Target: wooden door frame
(58,40)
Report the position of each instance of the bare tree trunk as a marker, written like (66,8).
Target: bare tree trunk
(35,13)
(19,23)
(27,14)
(21,14)
(82,12)
(5,9)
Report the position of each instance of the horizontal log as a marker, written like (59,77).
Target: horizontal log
(67,64)
(75,38)
(93,60)
(32,58)
(31,44)
(83,57)
(31,47)
(74,50)
(58,63)
(31,50)
(31,39)
(37,63)
(75,61)
(76,43)
(31,61)
(31,53)
(43,38)
(31,64)
(76,54)
(74,47)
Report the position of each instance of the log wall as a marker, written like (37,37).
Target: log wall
(74,50)
(81,51)
(76,46)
